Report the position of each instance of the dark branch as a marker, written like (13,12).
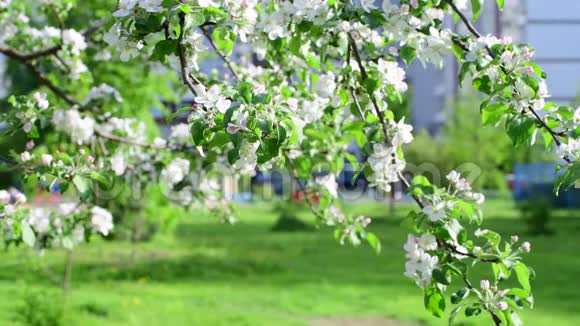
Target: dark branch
(185,75)
(477,34)
(379,113)
(224,58)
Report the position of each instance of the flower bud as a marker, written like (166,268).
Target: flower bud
(526,247)
(484,284)
(502,305)
(515,238)
(90,159)
(9,210)
(46,159)
(30,145)
(20,198)
(59,163)
(4,197)
(529,70)
(25,156)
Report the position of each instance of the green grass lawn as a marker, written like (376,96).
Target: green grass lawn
(205,273)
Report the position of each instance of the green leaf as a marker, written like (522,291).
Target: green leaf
(164,48)
(233,155)
(434,301)
(374,242)
(476,8)
(185,8)
(520,129)
(295,44)
(532,82)
(197,19)
(178,113)
(101,179)
(83,186)
(459,296)
(523,276)
(408,54)
(440,277)
(500,4)
(472,311)
(28,235)
(491,114)
(245,90)
(454,313)
(483,84)
(537,70)
(465,69)
(568,178)
(224,39)
(520,293)
(371,85)
(196,128)
(492,237)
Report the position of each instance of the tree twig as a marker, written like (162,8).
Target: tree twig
(492,53)
(379,114)
(224,58)
(187,80)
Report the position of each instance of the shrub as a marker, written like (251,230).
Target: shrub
(41,308)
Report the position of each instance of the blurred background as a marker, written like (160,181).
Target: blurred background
(172,266)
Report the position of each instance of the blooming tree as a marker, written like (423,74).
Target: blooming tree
(304,79)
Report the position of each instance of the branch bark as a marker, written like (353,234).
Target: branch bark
(224,58)
(379,114)
(491,53)
(187,78)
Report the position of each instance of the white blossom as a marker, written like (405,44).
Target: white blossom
(66,209)
(246,164)
(41,101)
(9,210)
(175,172)
(25,156)
(212,98)
(502,305)
(102,91)
(435,212)
(402,134)
(207,3)
(159,143)
(368,5)
(392,74)
(5,3)
(386,166)
(80,129)
(4,197)
(420,264)
(118,164)
(39,219)
(427,242)
(526,247)
(151,5)
(328,182)
(46,159)
(74,40)
(101,220)
(484,284)
(180,133)
(326,85)
(125,7)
